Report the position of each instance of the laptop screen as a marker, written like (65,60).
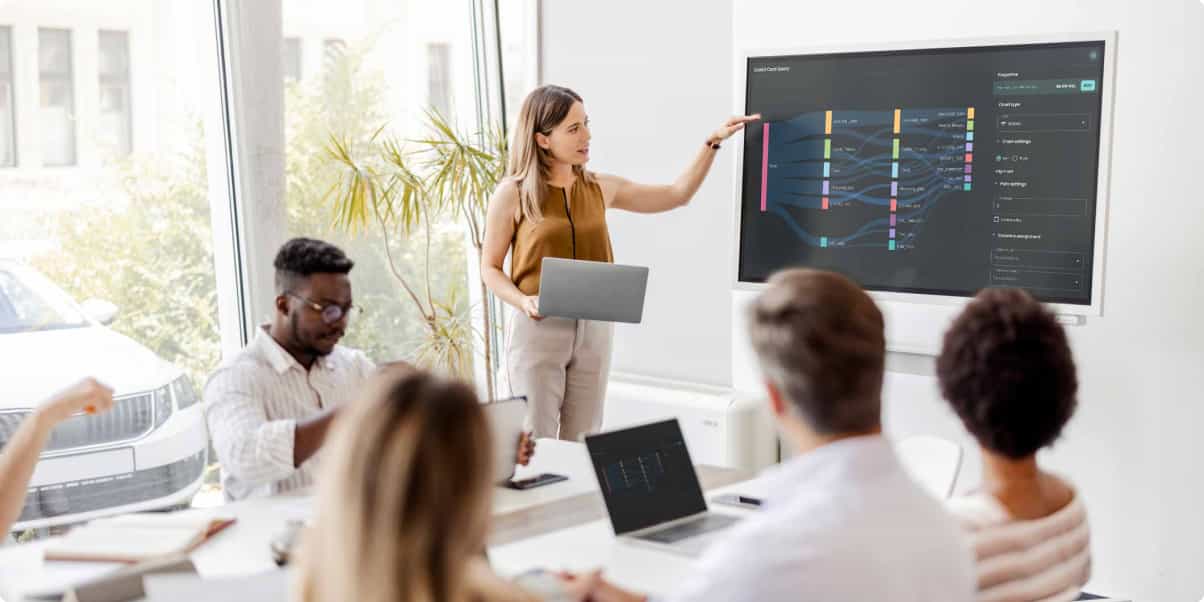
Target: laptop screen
(646,475)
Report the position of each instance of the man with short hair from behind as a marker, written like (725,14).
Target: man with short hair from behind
(843,521)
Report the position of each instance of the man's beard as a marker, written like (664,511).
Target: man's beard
(305,346)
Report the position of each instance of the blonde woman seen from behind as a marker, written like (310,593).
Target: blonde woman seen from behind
(405,500)
(549,205)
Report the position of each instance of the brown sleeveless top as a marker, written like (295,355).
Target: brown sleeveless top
(573,227)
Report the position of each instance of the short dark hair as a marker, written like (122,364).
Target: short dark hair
(1006,368)
(820,338)
(302,257)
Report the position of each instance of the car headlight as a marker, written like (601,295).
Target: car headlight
(162,398)
(185,394)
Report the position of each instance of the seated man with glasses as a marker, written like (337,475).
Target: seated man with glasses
(268,408)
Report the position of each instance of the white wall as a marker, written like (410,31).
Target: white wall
(1133,448)
(654,75)
(655,88)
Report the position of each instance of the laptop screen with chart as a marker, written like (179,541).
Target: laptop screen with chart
(933,171)
(646,475)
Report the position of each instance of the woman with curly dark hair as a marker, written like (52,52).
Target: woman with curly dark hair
(1006,369)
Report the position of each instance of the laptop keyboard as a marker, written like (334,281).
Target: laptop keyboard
(706,524)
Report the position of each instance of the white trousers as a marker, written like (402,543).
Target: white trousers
(562,366)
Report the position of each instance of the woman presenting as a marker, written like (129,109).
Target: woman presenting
(550,206)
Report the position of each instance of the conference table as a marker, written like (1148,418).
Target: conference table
(563,525)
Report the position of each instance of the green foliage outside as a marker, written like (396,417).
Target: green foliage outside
(151,252)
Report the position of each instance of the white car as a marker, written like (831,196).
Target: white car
(148,452)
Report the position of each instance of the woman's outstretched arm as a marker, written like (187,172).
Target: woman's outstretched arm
(621,193)
(20,454)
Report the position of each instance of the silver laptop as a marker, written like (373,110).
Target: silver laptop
(592,290)
(506,418)
(651,490)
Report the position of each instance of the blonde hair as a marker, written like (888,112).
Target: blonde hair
(529,165)
(404,501)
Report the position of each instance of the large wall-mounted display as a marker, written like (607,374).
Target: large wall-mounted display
(931,170)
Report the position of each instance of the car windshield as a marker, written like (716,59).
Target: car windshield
(30,302)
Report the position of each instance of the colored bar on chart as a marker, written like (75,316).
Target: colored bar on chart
(823,241)
(827,149)
(894,188)
(892,219)
(967,177)
(828,123)
(898,114)
(895,151)
(892,232)
(969,168)
(894,169)
(969,146)
(894,205)
(970,125)
(970,113)
(764,163)
(967,186)
(824,206)
(969,157)
(826,185)
(827,169)
(969,136)
(892,245)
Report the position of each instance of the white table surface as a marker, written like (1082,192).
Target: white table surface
(555,456)
(593,545)
(242,549)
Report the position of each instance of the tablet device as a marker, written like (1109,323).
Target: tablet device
(506,419)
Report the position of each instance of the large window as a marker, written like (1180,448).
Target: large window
(8,130)
(115,113)
(55,76)
(385,64)
(106,261)
(119,225)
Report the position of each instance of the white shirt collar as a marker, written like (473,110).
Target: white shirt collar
(855,457)
(281,360)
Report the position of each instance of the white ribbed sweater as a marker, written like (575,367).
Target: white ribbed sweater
(1043,560)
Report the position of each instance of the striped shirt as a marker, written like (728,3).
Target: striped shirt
(1042,560)
(253,403)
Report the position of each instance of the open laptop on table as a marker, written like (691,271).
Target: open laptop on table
(651,490)
(592,290)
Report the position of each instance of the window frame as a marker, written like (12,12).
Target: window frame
(67,79)
(8,90)
(122,80)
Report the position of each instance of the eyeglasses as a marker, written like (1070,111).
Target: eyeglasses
(330,313)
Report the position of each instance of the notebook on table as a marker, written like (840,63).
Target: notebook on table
(134,538)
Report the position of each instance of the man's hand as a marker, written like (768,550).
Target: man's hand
(87,395)
(591,586)
(526,448)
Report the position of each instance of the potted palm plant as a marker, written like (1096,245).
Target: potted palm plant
(399,186)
